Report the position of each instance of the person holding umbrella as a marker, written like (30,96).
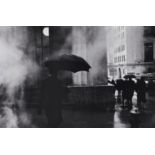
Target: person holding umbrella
(53,90)
(141,92)
(128,89)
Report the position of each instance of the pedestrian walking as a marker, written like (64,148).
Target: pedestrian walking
(118,84)
(141,93)
(53,93)
(128,91)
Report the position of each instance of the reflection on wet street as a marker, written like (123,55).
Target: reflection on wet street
(90,117)
(124,118)
(119,118)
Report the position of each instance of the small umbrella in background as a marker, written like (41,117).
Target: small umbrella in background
(68,62)
(129,76)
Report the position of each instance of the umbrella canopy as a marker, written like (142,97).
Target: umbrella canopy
(68,62)
(129,76)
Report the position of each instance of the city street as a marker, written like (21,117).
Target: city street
(121,118)
(74,117)
(73,72)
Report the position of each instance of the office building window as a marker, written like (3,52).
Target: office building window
(122,58)
(122,27)
(119,59)
(148,53)
(120,48)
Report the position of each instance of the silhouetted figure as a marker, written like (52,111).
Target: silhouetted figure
(135,120)
(53,92)
(118,87)
(128,91)
(3,94)
(141,92)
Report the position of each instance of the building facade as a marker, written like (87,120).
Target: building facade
(130,50)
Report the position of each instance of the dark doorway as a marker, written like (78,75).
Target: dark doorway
(148,55)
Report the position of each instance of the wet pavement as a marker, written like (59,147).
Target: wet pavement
(119,118)
(99,118)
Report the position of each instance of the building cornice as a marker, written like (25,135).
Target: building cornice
(131,64)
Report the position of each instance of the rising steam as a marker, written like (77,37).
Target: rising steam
(15,68)
(90,43)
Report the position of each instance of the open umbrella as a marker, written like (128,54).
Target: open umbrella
(68,62)
(129,76)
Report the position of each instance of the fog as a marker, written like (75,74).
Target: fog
(90,43)
(15,68)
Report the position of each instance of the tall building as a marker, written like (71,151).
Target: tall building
(130,50)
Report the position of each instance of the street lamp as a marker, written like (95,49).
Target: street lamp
(46,31)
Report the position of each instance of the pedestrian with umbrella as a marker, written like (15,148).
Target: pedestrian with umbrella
(53,90)
(141,92)
(128,90)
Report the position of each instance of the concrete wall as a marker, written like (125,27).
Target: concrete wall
(98,96)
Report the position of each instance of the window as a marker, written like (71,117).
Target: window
(119,59)
(119,49)
(113,72)
(148,53)
(122,27)
(122,47)
(122,57)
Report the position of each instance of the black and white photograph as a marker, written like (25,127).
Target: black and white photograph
(77,76)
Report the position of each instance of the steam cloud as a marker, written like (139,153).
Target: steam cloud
(90,43)
(15,68)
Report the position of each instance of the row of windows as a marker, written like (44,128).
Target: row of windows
(119,28)
(118,36)
(122,35)
(115,72)
(120,49)
(119,59)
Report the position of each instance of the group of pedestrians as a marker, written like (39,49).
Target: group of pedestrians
(126,89)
